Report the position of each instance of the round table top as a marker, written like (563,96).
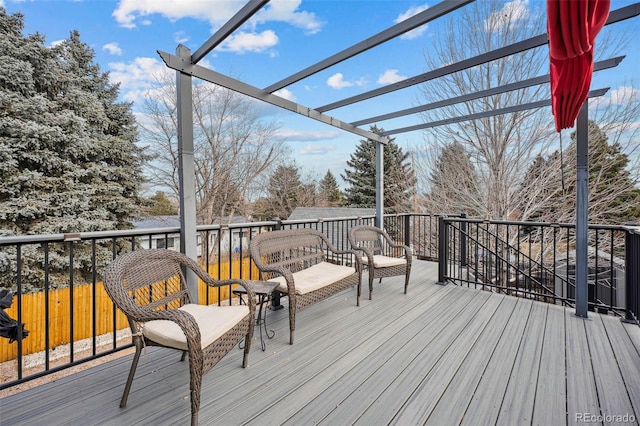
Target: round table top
(259,287)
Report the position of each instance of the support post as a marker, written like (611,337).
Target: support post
(379,185)
(582,211)
(443,238)
(186,171)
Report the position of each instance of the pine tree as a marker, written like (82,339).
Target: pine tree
(361,176)
(285,192)
(549,185)
(453,165)
(329,193)
(160,205)
(68,155)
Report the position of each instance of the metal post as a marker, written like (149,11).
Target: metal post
(582,211)
(186,170)
(463,240)
(632,276)
(443,238)
(379,184)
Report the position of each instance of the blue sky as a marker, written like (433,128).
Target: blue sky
(286,37)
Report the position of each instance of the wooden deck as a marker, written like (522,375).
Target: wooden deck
(439,355)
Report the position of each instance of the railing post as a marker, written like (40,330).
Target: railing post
(443,249)
(463,240)
(407,230)
(275,296)
(632,275)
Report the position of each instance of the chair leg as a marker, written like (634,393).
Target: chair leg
(370,283)
(247,343)
(195,384)
(132,371)
(184,356)
(292,319)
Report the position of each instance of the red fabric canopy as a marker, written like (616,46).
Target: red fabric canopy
(572,26)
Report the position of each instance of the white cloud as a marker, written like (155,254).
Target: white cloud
(180,37)
(511,12)
(56,42)
(306,135)
(285,93)
(623,94)
(412,11)
(130,13)
(287,11)
(113,48)
(316,149)
(250,42)
(390,77)
(338,82)
(136,78)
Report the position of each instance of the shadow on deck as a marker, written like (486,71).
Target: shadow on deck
(438,355)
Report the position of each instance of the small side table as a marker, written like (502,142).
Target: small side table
(264,291)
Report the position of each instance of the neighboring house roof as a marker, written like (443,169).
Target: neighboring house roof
(302,213)
(167,221)
(171,221)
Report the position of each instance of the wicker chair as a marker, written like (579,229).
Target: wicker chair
(306,265)
(149,287)
(373,241)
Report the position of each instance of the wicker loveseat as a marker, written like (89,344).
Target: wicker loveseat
(149,287)
(298,259)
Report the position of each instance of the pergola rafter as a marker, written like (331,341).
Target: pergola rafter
(186,66)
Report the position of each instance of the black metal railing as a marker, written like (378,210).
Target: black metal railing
(537,260)
(519,258)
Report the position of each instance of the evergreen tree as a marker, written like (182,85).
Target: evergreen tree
(453,165)
(285,192)
(550,183)
(68,159)
(160,205)
(68,155)
(329,193)
(361,176)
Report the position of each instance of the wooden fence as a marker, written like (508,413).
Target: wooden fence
(35,315)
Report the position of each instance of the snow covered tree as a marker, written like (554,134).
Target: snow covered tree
(361,176)
(68,155)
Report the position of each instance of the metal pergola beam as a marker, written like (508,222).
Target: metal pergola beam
(538,104)
(186,67)
(407,25)
(598,66)
(531,43)
(247,11)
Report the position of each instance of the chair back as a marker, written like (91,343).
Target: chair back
(367,237)
(147,280)
(291,249)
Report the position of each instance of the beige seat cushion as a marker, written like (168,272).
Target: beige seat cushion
(213,321)
(380,261)
(315,277)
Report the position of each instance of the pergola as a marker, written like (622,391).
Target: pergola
(185,63)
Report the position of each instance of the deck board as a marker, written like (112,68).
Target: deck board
(551,389)
(438,355)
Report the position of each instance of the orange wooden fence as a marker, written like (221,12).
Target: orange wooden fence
(59,315)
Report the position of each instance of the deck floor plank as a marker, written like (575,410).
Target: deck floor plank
(452,405)
(484,407)
(551,390)
(519,397)
(439,355)
(612,394)
(582,396)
